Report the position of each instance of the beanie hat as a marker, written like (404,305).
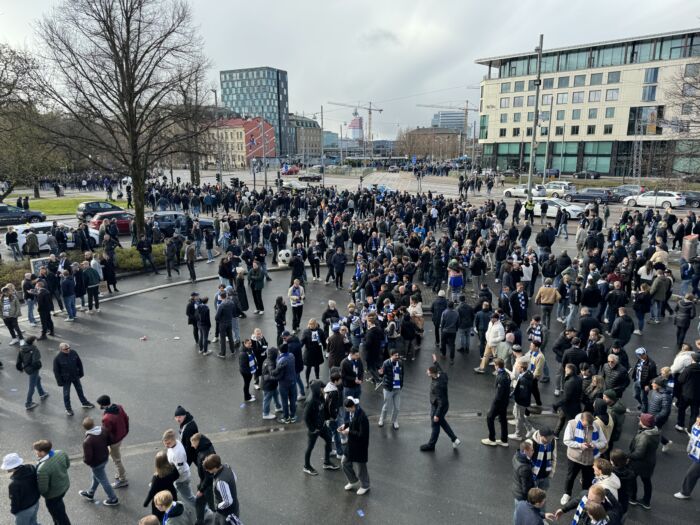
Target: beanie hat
(647,420)
(611,394)
(179,411)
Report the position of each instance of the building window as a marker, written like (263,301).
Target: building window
(516,117)
(577,97)
(563,82)
(504,118)
(590,130)
(649,93)
(505,102)
(559,131)
(687,109)
(528,132)
(530,116)
(593,96)
(531,100)
(562,98)
(519,86)
(613,77)
(516,132)
(596,79)
(548,83)
(502,132)
(612,94)
(544,131)
(609,112)
(651,75)
(544,116)
(517,102)
(607,129)
(592,113)
(505,87)
(561,114)
(692,70)
(546,100)
(579,80)
(574,130)
(575,114)
(531,85)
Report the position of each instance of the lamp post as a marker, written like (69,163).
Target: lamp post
(218,132)
(549,134)
(533,143)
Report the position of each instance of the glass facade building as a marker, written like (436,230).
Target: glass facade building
(259,92)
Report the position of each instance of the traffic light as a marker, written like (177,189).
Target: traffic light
(178,180)
(218,177)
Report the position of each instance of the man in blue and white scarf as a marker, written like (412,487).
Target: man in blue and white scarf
(693,473)
(392,381)
(584,441)
(544,457)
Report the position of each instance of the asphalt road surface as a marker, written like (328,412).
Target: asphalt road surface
(150,378)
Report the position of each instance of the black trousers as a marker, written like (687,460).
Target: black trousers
(499,411)
(448,342)
(316,269)
(536,392)
(297,312)
(57,509)
(683,404)
(190,267)
(257,299)
(441,424)
(224,332)
(646,483)
(195,333)
(572,472)
(339,279)
(13,327)
(46,322)
(246,385)
(313,437)
(93,294)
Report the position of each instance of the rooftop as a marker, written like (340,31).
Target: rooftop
(495,61)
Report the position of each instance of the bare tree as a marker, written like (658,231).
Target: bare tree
(683,102)
(113,70)
(15,69)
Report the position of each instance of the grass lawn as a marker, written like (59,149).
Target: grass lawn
(58,205)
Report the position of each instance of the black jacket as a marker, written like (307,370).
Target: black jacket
(358,437)
(313,409)
(570,403)
(388,374)
(502,387)
(348,374)
(523,389)
(188,428)
(24,490)
(523,480)
(466,316)
(616,378)
(586,324)
(574,355)
(439,305)
(689,380)
(438,394)
(67,367)
(28,359)
(622,329)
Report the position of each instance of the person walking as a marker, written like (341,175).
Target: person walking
(693,473)
(296,297)
(499,407)
(164,478)
(316,428)
(177,456)
(642,458)
(91,281)
(205,493)
(10,312)
(52,479)
(174,512)
(224,317)
(29,362)
(523,477)
(439,405)
(68,370)
(256,281)
(285,374)
(23,489)
(115,421)
(642,374)
(392,380)
(225,492)
(569,405)
(689,385)
(522,397)
(449,323)
(544,457)
(357,434)
(95,456)
(203,318)
(247,367)
(44,305)
(190,259)
(584,439)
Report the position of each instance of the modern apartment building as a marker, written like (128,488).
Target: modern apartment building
(448,119)
(599,103)
(259,92)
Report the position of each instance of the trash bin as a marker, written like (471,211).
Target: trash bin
(690,247)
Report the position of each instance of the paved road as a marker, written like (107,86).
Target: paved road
(471,485)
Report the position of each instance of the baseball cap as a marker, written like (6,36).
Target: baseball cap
(11,461)
(640,351)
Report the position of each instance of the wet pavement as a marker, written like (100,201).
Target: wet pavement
(150,378)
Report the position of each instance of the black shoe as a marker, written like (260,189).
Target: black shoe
(32,406)
(633,502)
(88,405)
(427,448)
(310,471)
(111,502)
(69,412)
(46,394)
(330,466)
(87,495)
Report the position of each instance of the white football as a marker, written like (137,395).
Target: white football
(284,256)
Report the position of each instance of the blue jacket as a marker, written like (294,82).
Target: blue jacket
(285,372)
(526,514)
(68,287)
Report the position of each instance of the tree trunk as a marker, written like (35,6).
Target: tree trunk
(138,177)
(10,187)
(36,191)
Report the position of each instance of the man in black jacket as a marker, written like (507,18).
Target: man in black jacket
(357,433)
(188,428)
(439,305)
(570,404)
(68,369)
(44,304)
(352,371)
(374,340)
(623,327)
(523,480)
(522,394)
(24,489)
(499,407)
(466,323)
(587,322)
(615,375)
(316,428)
(392,374)
(439,405)
(689,381)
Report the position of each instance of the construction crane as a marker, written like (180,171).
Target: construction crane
(464,108)
(369,110)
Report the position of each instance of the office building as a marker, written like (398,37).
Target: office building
(238,142)
(603,106)
(330,139)
(449,120)
(304,137)
(259,92)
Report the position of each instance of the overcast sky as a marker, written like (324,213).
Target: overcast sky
(396,53)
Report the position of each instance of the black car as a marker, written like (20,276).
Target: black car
(13,215)
(586,174)
(598,195)
(619,194)
(87,210)
(692,198)
(309,177)
(167,220)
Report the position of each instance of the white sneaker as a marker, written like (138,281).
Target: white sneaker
(488,442)
(352,486)
(516,436)
(557,392)
(456,443)
(637,332)
(664,448)
(13,342)
(362,491)
(252,398)
(301,398)
(380,423)
(396,426)
(564,499)
(270,416)
(680,495)
(215,340)
(502,443)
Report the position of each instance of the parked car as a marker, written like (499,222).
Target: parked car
(13,215)
(553,205)
(310,177)
(293,185)
(383,189)
(87,210)
(598,195)
(557,189)
(620,193)
(521,191)
(291,170)
(636,189)
(665,199)
(168,220)
(393,169)
(42,230)
(692,198)
(123,220)
(586,174)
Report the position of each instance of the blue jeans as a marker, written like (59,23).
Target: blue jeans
(34,384)
(352,391)
(300,384)
(198,248)
(99,477)
(685,286)
(28,515)
(641,396)
(657,308)
(210,255)
(268,396)
(333,427)
(563,228)
(69,303)
(288,393)
(30,310)
(640,320)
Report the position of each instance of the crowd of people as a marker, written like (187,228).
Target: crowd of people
(533,313)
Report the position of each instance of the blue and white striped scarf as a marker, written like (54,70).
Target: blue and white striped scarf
(580,510)
(694,444)
(580,436)
(539,460)
(251,363)
(397,376)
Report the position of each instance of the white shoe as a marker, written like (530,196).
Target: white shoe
(680,495)
(301,398)
(13,342)
(637,332)
(380,423)
(557,392)
(215,340)
(502,443)
(362,491)
(352,486)
(396,426)
(664,448)
(519,438)
(564,499)
(270,416)
(456,443)
(488,442)
(33,325)
(256,387)
(252,398)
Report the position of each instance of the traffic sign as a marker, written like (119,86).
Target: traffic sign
(413,159)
